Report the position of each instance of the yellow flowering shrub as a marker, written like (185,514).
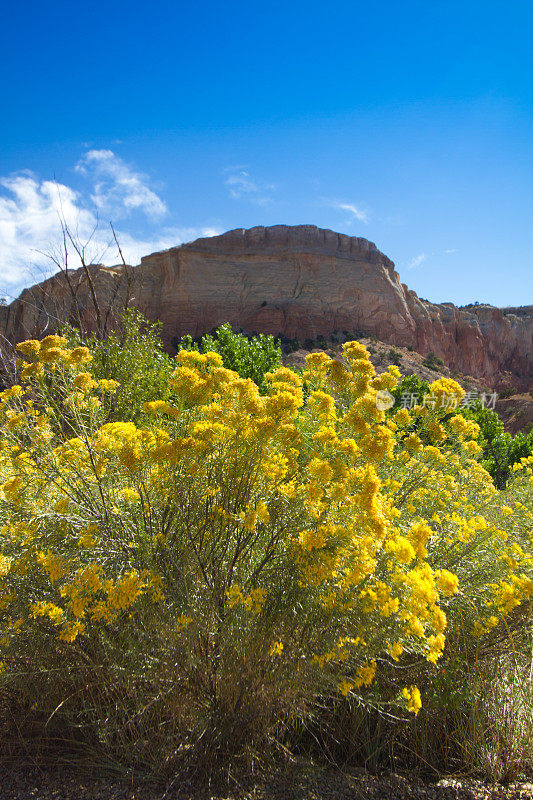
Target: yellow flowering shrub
(231,546)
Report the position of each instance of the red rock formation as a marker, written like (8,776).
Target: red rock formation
(516,413)
(299,281)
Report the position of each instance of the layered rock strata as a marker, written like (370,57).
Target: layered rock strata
(298,281)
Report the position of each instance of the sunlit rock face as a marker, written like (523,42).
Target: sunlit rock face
(300,281)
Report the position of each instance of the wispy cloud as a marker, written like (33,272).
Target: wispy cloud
(354,211)
(421,258)
(242,186)
(417,260)
(31,209)
(118,188)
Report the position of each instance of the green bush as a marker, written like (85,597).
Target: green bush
(288,345)
(433,362)
(395,357)
(500,449)
(251,357)
(134,357)
(409,388)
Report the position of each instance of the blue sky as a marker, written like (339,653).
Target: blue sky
(410,124)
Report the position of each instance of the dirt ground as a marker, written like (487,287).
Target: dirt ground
(298,783)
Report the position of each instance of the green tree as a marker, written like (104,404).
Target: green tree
(409,385)
(252,357)
(500,449)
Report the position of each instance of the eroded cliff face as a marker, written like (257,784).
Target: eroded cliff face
(299,281)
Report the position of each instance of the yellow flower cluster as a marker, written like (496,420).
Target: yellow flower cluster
(363,677)
(53,349)
(253,601)
(412,699)
(161,407)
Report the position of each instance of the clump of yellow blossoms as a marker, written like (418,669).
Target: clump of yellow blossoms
(413,699)
(230,527)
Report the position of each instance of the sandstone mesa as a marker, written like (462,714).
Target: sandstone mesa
(299,281)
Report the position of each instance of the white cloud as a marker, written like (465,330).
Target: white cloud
(417,260)
(241,186)
(355,211)
(423,257)
(29,222)
(118,189)
(30,214)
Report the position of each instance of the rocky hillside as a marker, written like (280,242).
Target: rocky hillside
(302,282)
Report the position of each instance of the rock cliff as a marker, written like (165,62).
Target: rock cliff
(299,281)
